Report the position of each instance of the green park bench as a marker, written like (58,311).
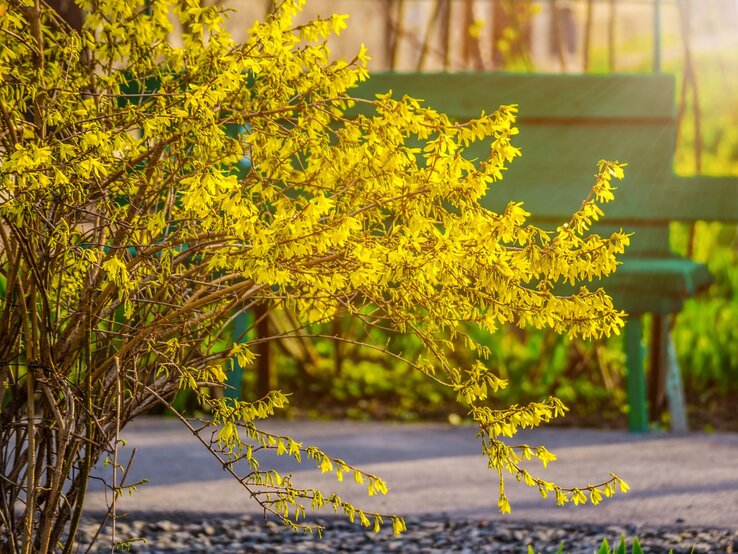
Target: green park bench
(567,123)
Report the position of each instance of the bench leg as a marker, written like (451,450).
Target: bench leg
(235,377)
(265,378)
(658,367)
(675,390)
(637,414)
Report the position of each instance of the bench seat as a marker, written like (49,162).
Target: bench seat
(656,285)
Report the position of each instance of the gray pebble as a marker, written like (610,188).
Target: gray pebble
(430,536)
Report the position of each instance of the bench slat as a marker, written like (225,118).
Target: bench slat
(704,198)
(641,198)
(463,95)
(569,122)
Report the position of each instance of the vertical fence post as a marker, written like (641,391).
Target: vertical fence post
(657,36)
(637,414)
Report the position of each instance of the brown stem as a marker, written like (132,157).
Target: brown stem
(8,124)
(30,463)
(119,397)
(88,459)
(34,16)
(58,476)
(158,328)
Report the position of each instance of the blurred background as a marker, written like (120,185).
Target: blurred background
(695,40)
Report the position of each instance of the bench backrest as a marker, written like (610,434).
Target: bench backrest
(567,123)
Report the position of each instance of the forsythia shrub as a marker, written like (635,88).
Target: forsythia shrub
(130,239)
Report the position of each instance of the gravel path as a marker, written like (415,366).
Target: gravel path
(437,536)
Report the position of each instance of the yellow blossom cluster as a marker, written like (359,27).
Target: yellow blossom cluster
(150,192)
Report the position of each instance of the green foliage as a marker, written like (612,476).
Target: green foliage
(347,379)
(705,332)
(605,548)
(362,383)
